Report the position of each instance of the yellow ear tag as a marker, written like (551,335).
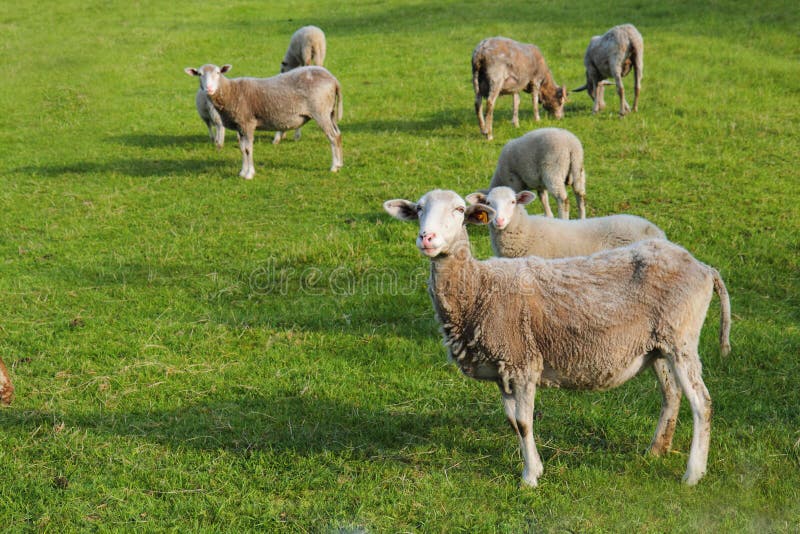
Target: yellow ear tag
(482,217)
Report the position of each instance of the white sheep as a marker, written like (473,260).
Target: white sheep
(612,55)
(306,47)
(515,234)
(209,115)
(282,102)
(6,387)
(502,66)
(588,322)
(547,159)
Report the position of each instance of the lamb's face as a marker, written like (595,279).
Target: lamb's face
(441,216)
(504,201)
(210,76)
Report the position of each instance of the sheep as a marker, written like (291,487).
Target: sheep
(586,322)
(6,387)
(502,66)
(547,159)
(613,54)
(209,115)
(282,102)
(514,233)
(306,47)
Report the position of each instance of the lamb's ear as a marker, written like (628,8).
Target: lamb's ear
(191,71)
(479,214)
(225,68)
(476,198)
(405,210)
(525,197)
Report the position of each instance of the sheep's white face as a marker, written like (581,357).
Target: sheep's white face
(504,201)
(209,76)
(441,215)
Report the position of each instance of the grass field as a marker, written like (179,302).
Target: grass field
(196,352)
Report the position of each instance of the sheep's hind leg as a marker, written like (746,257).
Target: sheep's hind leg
(297,134)
(670,404)
(515,116)
(479,113)
(545,202)
(624,108)
(688,371)
(492,98)
(334,135)
(279,136)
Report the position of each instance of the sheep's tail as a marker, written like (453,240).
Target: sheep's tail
(339,103)
(724,314)
(477,67)
(581,88)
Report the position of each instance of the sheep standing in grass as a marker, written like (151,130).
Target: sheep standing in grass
(515,234)
(216,131)
(282,102)
(306,47)
(501,66)
(589,322)
(612,55)
(547,159)
(6,387)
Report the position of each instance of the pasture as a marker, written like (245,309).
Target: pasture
(196,352)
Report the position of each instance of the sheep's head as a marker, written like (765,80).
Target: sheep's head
(554,102)
(210,76)
(441,215)
(503,201)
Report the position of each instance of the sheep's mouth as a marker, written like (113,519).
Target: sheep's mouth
(430,251)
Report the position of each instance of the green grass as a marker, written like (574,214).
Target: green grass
(195,352)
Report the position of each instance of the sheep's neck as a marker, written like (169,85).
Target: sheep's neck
(510,233)
(218,98)
(454,280)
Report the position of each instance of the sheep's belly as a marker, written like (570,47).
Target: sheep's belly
(592,379)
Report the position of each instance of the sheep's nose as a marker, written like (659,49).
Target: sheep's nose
(426,237)
(499,221)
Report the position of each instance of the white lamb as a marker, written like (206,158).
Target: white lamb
(515,234)
(282,102)
(588,322)
(547,159)
(306,47)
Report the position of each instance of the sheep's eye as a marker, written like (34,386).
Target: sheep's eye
(513,202)
(460,209)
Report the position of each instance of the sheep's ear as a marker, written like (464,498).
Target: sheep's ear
(525,197)
(191,71)
(476,198)
(404,210)
(479,214)
(225,68)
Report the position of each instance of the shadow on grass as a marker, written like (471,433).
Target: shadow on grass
(137,168)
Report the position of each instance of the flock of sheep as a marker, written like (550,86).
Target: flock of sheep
(583,304)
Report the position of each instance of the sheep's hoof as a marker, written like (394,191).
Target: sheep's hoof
(528,482)
(489,137)
(247,175)
(691,479)
(336,168)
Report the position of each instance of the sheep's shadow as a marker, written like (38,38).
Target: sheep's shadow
(134,167)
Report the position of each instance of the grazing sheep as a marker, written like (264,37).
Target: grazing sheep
(547,159)
(6,387)
(612,55)
(501,66)
(588,322)
(514,233)
(306,47)
(282,102)
(216,131)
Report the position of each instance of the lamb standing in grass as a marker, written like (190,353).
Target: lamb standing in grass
(306,47)
(515,234)
(612,55)
(216,131)
(547,159)
(282,102)
(590,322)
(6,387)
(502,66)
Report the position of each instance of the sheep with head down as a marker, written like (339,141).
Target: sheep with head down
(590,322)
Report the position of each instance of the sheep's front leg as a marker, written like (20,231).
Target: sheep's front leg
(535,101)
(523,396)
(219,138)
(279,136)
(515,116)
(563,205)
(490,100)
(543,198)
(246,146)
